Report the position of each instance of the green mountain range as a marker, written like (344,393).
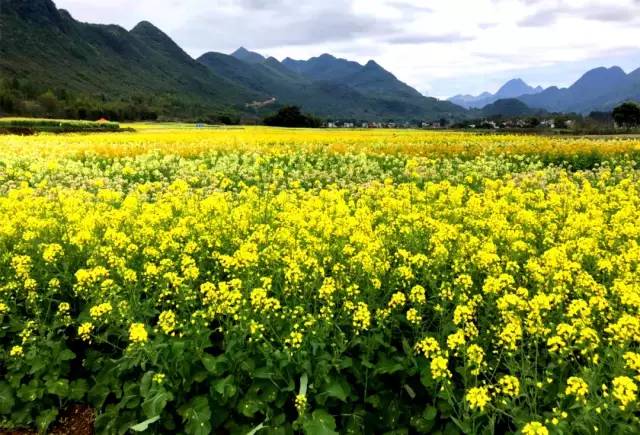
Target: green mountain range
(328,87)
(50,62)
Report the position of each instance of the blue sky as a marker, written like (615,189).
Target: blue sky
(442,48)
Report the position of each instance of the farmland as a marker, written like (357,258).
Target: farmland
(273,281)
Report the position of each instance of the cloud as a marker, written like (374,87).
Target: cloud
(446,38)
(410,8)
(590,12)
(261,25)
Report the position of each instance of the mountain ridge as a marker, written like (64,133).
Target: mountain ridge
(329,86)
(512,89)
(101,67)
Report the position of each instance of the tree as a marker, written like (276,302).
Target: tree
(49,102)
(291,116)
(627,115)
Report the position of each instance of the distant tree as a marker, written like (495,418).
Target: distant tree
(49,102)
(444,122)
(601,116)
(627,115)
(291,116)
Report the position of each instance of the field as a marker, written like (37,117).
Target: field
(34,125)
(271,281)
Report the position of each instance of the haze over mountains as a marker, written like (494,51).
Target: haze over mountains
(512,89)
(599,89)
(106,67)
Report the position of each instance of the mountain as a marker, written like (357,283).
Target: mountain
(102,64)
(599,89)
(508,108)
(515,88)
(248,56)
(512,89)
(323,68)
(51,64)
(329,87)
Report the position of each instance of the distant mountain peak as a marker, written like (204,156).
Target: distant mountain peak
(515,88)
(248,56)
(146,27)
(512,89)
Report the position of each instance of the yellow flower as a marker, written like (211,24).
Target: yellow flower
(456,340)
(398,300)
(428,346)
(577,387)
(167,321)
(138,333)
(361,317)
(301,403)
(418,295)
(52,252)
(509,386)
(535,428)
(100,310)
(624,391)
(16,351)
(85,330)
(478,398)
(413,316)
(439,368)
(158,378)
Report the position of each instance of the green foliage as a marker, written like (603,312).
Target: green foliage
(627,115)
(33,125)
(291,116)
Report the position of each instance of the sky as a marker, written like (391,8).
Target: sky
(442,48)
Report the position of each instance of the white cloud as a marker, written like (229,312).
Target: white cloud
(440,47)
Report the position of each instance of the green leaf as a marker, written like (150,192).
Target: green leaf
(225,387)
(197,416)
(388,366)
(144,425)
(154,405)
(213,364)
(320,423)
(66,355)
(7,399)
(430,413)
(59,387)
(249,406)
(77,389)
(30,391)
(338,388)
(46,418)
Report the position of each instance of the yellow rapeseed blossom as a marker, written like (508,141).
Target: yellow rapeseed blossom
(535,428)
(490,254)
(478,398)
(509,386)
(577,387)
(413,316)
(167,321)
(624,391)
(101,310)
(439,368)
(138,333)
(85,330)
(418,295)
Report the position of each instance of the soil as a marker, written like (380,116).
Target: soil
(74,420)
